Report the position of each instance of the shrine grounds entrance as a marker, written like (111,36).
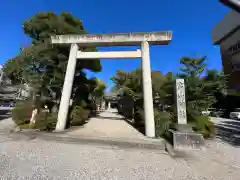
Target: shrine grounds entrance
(123,39)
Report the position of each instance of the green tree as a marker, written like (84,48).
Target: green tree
(167,92)
(43,65)
(99,93)
(130,83)
(161,85)
(200,88)
(218,81)
(119,79)
(99,90)
(191,71)
(218,86)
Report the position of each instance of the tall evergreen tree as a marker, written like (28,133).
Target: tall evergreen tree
(43,65)
(200,88)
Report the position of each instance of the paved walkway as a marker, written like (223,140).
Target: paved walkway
(108,124)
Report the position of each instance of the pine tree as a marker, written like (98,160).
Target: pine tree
(43,65)
(200,88)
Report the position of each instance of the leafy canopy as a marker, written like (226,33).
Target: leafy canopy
(43,65)
(200,88)
(99,90)
(130,83)
(202,85)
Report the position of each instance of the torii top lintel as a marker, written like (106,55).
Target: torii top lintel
(124,39)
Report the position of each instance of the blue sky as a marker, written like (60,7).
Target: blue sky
(190,20)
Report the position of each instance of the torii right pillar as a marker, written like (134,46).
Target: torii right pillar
(147,91)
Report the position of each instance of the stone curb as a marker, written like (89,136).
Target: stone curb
(119,142)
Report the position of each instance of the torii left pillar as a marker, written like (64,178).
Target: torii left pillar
(67,88)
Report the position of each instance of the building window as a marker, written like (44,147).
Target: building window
(237,88)
(235,48)
(236,68)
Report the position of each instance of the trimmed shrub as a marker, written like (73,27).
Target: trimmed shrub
(139,118)
(162,123)
(126,107)
(42,116)
(204,126)
(22,112)
(46,121)
(93,109)
(79,116)
(82,103)
(139,122)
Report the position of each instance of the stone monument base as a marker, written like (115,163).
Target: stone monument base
(184,138)
(183,128)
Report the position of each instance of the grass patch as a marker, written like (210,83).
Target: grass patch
(24,126)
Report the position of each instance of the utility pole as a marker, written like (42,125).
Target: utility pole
(233,4)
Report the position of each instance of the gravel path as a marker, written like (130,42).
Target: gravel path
(108,124)
(38,159)
(6,124)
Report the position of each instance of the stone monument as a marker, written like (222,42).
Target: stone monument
(183,135)
(180,104)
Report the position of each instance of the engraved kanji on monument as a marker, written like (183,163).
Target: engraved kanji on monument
(183,135)
(181,102)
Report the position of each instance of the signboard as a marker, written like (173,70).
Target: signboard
(233,4)
(236,67)
(114,39)
(181,102)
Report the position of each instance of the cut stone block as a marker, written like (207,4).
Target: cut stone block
(183,128)
(187,140)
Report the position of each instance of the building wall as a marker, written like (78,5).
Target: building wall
(229,23)
(230,51)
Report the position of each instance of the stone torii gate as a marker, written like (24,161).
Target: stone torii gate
(123,39)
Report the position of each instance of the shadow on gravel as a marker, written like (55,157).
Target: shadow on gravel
(229,131)
(115,113)
(111,118)
(139,127)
